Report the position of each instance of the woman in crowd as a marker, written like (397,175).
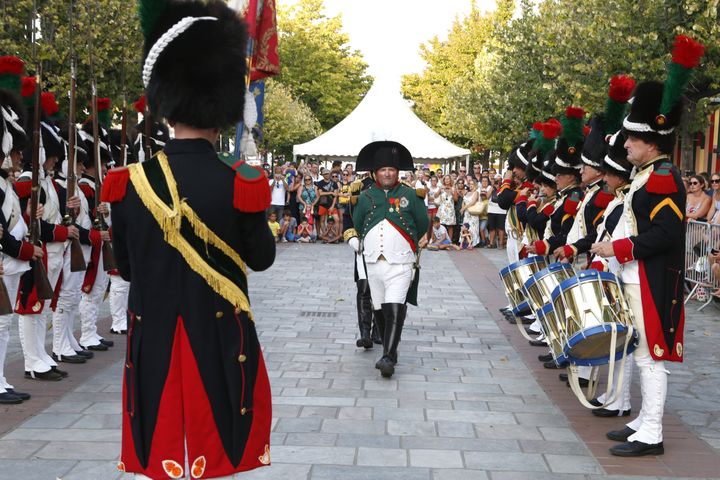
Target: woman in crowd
(698,203)
(470,198)
(308,197)
(713,214)
(433,189)
(496,218)
(461,190)
(445,199)
(483,218)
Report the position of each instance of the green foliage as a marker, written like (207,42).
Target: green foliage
(317,64)
(112,26)
(487,90)
(288,121)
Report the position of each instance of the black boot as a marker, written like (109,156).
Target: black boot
(375,333)
(365,314)
(394,314)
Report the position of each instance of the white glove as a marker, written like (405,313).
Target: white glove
(354,243)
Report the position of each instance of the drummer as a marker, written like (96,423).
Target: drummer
(617,169)
(649,244)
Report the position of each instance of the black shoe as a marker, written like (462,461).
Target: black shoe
(620,435)
(69,358)
(62,373)
(637,449)
(545,358)
(96,348)
(107,343)
(532,332)
(48,376)
(505,310)
(564,378)
(365,343)
(8,398)
(538,343)
(118,332)
(584,382)
(605,413)
(551,365)
(524,320)
(85,353)
(594,402)
(23,396)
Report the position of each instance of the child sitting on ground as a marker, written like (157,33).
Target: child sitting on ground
(331,233)
(288,226)
(440,238)
(274,226)
(305,231)
(465,237)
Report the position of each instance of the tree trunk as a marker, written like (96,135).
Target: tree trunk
(686,138)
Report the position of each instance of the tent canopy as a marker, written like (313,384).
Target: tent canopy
(382,115)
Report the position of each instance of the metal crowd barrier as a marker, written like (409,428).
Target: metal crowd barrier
(701,278)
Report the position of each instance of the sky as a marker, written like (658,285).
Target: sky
(389,32)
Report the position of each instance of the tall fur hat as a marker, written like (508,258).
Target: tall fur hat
(545,166)
(194,61)
(657,107)
(104,138)
(82,150)
(570,143)
(52,142)
(616,156)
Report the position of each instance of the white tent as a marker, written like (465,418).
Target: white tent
(382,115)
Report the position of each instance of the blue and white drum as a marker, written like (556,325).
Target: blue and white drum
(554,333)
(514,277)
(588,305)
(540,286)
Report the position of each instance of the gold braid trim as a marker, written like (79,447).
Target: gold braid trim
(170,219)
(349,233)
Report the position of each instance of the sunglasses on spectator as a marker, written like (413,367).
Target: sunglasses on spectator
(694,183)
(715,180)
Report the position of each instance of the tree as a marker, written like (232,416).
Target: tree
(117,45)
(287,121)
(317,64)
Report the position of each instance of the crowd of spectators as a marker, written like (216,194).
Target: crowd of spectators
(309,202)
(703,205)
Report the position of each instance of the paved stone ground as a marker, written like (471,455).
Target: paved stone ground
(462,404)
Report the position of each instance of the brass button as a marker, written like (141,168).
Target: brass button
(219,314)
(243,411)
(237,311)
(672,330)
(242,358)
(674,302)
(139,318)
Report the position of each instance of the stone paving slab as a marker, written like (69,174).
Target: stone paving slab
(463,404)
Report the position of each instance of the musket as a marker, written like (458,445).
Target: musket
(148,130)
(99,222)
(42,284)
(123,128)
(77,259)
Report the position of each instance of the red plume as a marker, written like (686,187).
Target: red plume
(687,52)
(48,103)
(551,129)
(140,105)
(103,104)
(574,112)
(621,88)
(586,130)
(28,87)
(11,65)
(537,126)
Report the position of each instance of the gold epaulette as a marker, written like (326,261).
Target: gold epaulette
(356,186)
(349,233)
(421,192)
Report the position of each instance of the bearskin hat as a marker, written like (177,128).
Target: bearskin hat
(570,143)
(194,61)
(81,150)
(104,138)
(159,136)
(545,166)
(616,158)
(52,142)
(595,146)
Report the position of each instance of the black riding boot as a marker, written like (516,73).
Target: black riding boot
(375,333)
(394,314)
(365,314)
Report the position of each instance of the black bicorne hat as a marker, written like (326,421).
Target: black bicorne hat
(385,153)
(616,157)
(194,61)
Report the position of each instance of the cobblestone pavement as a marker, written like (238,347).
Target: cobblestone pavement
(462,405)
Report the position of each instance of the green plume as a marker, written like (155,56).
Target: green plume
(104,118)
(614,115)
(572,130)
(678,77)
(149,11)
(10,82)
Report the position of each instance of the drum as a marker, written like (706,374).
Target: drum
(588,305)
(540,286)
(554,333)
(516,274)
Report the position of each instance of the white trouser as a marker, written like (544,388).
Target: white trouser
(389,283)
(64,343)
(622,399)
(12,282)
(90,307)
(119,291)
(653,379)
(513,247)
(33,328)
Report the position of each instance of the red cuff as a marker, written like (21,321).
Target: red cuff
(60,233)
(95,237)
(507,181)
(520,199)
(528,185)
(597,265)
(548,210)
(541,247)
(523,252)
(26,251)
(569,251)
(623,249)
(532,204)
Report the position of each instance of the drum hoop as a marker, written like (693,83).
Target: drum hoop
(546,272)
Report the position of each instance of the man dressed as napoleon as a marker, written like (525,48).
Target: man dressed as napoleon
(390,220)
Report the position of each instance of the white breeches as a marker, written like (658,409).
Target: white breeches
(90,306)
(12,282)
(389,283)
(119,291)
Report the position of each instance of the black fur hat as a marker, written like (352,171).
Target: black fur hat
(159,136)
(14,117)
(570,143)
(52,141)
(594,148)
(115,144)
(547,166)
(644,118)
(198,76)
(87,135)
(616,158)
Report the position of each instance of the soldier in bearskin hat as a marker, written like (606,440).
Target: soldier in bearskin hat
(187,224)
(649,243)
